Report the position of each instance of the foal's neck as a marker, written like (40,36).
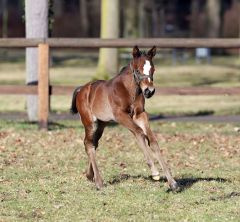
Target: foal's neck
(130,82)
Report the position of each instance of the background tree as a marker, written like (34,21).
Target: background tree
(141,16)
(158,21)
(83,9)
(4,12)
(151,18)
(36,16)
(108,58)
(130,15)
(194,18)
(213,18)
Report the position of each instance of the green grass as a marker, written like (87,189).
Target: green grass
(42,174)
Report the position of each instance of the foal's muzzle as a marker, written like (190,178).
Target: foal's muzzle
(148,92)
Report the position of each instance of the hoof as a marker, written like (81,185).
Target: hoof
(156,177)
(175,187)
(99,185)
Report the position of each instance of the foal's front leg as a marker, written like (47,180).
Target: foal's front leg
(125,120)
(142,121)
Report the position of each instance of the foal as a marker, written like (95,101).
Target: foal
(121,99)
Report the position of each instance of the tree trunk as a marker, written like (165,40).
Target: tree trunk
(142,21)
(130,19)
(36,13)
(194,18)
(157,18)
(4,19)
(58,8)
(108,58)
(213,18)
(149,18)
(84,17)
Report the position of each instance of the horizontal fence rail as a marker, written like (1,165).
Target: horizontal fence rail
(122,43)
(68,90)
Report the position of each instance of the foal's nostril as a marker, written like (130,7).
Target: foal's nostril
(148,93)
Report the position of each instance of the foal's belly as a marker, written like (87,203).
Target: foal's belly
(104,113)
(101,107)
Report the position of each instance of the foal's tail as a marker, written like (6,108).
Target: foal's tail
(73,108)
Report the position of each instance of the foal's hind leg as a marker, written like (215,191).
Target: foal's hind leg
(91,152)
(96,136)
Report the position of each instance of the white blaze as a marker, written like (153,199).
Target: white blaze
(146,69)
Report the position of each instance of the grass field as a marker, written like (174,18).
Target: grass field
(42,174)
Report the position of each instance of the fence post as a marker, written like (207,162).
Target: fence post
(43,85)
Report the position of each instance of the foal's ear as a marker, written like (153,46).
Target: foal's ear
(152,52)
(136,52)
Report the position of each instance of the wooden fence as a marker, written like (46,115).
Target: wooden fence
(44,89)
(121,43)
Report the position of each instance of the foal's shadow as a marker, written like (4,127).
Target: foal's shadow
(187,182)
(184,183)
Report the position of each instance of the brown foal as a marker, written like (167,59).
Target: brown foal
(121,99)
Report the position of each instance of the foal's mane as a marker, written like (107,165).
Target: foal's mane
(122,70)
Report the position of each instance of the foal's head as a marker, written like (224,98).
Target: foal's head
(143,69)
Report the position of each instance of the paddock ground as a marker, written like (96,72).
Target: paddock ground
(43,174)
